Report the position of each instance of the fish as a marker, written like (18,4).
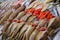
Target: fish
(24,18)
(42,32)
(40,35)
(31,5)
(30,29)
(5,26)
(9,23)
(36,31)
(14,23)
(11,28)
(31,18)
(19,14)
(6,16)
(16,12)
(54,22)
(52,25)
(26,26)
(14,30)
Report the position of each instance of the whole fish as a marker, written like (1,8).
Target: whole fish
(8,23)
(24,18)
(30,30)
(14,23)
(6,16)
(36,31)
(26,26)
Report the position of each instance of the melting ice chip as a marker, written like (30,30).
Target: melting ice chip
(57,37)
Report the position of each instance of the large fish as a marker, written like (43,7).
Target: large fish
(24,18)
(12,15)
(40,35)
(54,23)
(3,5)
(26,25)
(8,23)
(16,12)
(31,5)
(27,36)
(6,16)
(42,32)
(31,18)
(30,30)
(36,31)
(13,23)
(5,26)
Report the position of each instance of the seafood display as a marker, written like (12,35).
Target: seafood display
(30,20)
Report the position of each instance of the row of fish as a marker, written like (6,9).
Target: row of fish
(29,28)
(18,25)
